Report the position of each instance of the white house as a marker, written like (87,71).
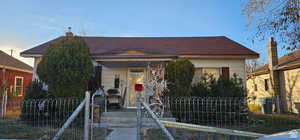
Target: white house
(125,59)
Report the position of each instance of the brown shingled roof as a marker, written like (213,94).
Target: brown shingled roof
(291,60)
(9,61)
(156,46)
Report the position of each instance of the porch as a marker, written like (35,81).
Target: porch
(121,76)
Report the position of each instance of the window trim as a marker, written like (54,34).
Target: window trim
(22,84)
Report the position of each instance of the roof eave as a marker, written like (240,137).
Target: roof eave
(16,69)
(30,55)
(220,56)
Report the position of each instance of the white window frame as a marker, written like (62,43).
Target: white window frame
(22,84)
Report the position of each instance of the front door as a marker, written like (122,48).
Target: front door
(135,76)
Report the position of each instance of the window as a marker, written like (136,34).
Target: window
(197,75)
(18,86)
(255,87)
(266,84)
(216,72)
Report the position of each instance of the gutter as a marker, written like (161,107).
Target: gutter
(31,55)
(14,68)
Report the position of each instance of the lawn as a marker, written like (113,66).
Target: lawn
(14,129)
(265,124)
(269,124)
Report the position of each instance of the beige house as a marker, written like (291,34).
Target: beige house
(280,77)
(121,62)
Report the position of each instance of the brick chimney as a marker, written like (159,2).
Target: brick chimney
(273,56)
(274,74)
(69,33)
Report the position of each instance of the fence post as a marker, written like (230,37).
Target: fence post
(86,116)
(139,115)
(4,103)
(139,88)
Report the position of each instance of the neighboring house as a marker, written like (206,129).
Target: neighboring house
(280,77)
(15,74)
(122,61)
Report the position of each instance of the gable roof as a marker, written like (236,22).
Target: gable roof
(288,61)
(122,47)
(13,63)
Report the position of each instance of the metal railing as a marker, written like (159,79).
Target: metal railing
(214,130)
(154,117)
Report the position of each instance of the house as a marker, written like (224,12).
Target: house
(122,61)
(15,74)
(281,77)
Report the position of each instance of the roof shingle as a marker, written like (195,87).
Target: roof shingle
(287,61)
(159,46)
(7,60)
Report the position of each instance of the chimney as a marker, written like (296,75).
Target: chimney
(273,56)
(274,74)
(69,33)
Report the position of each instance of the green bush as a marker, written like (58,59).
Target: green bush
(66,67)
(179,75)
(208,86)
(35,90)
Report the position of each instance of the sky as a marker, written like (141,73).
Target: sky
(27,23)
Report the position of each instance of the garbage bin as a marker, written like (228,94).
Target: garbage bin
(267,106)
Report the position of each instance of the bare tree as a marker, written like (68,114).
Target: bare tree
(279,18)
(252,65)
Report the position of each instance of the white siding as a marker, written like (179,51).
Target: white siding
(37,60)
(108,76)
(235,65)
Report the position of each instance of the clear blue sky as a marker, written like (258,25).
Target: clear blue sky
(26,23)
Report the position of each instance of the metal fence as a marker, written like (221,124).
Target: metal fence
(35,119)
(167,128)
(219,112)
(260,115)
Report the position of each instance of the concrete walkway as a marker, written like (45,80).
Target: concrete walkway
(123,124)
(122,134)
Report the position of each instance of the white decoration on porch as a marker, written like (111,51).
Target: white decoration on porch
(154,87)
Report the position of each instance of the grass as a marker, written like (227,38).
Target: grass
(269,124)
(14,129)
(180,134)
(265,124)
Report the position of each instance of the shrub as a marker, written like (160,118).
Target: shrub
(66,67)
(212,102)
(179,75)
(212,87)
(35,90)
